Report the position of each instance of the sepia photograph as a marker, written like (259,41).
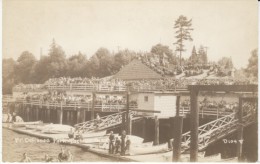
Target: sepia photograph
(130,81)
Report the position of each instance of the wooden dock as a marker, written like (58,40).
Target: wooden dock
(159,157)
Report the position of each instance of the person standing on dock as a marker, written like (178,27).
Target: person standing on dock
(123,136)
(117,145)
(111,142)
(127,145)
(14,117)
(26,158)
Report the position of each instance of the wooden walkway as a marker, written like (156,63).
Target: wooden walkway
(159,157)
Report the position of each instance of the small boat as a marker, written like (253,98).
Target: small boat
(211,158)
(23,124)
(184,157)
(145,144)
(103,142)
(57,129)
(94,134)
(148,150)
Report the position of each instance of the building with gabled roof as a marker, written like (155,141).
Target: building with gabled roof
(136,70)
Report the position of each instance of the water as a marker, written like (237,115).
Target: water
(13,150)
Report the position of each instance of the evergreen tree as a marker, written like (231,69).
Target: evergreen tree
(183,27)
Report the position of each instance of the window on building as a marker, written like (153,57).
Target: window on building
(146,98)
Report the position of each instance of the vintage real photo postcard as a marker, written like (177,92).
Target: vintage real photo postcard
(130,81)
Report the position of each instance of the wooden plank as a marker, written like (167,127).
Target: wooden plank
(240,130)
(156,122)
(194,124)
(93,106)
(178,106)
(178,120)
(227,88)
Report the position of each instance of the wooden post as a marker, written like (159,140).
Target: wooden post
(194,124)
(37,113)
(93,106)
(68,117)
(48,114)
(27,113)
(128,116)
(178,120)
(80,115)
(240,130)
(178,106)
(144,128)
(156,122)
(60,113)
(123,121)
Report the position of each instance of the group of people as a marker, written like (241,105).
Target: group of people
(209,104)
(22,87)
(12,118)
(63,156)
(119,145)
(95,83)
(57,97)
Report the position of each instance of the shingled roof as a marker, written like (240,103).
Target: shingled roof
(136,70)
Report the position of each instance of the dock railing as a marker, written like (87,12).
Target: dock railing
(104,107)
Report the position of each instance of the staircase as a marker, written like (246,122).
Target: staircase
(105,123)
(217,129)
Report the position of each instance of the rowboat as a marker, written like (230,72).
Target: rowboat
(184,157)
(57,129)
(211,158)
(149,149)
(135,140)
(94,134)
(23,124)
(101,140)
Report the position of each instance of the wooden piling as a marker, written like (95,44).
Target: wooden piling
(123,121)
(60,114)
(48,115)
(194,124)
(178,124)
(93,106)
(240,130)
(144,127)
(67,117)
(178,105)
(156,122)
(37,113)
(27,113)
(128,116)
(80,115)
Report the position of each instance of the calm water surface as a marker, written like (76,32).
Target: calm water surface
(14,148)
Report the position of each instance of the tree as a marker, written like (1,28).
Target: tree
(162,51)
(225,63)
(57,65)
(23,67)
(252,67)
(41,74)
(77,66)
(183,27)
(8,75)
(121,58)
(101,63)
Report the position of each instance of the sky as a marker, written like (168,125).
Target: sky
(227,27)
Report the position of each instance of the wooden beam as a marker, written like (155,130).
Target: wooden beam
(240,130)
(227,88)
(156,122)
(178,106)
(146,111)
(194,124)
(93,106)
(177,138)
(128,116)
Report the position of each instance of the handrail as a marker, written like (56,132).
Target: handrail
(214,130)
